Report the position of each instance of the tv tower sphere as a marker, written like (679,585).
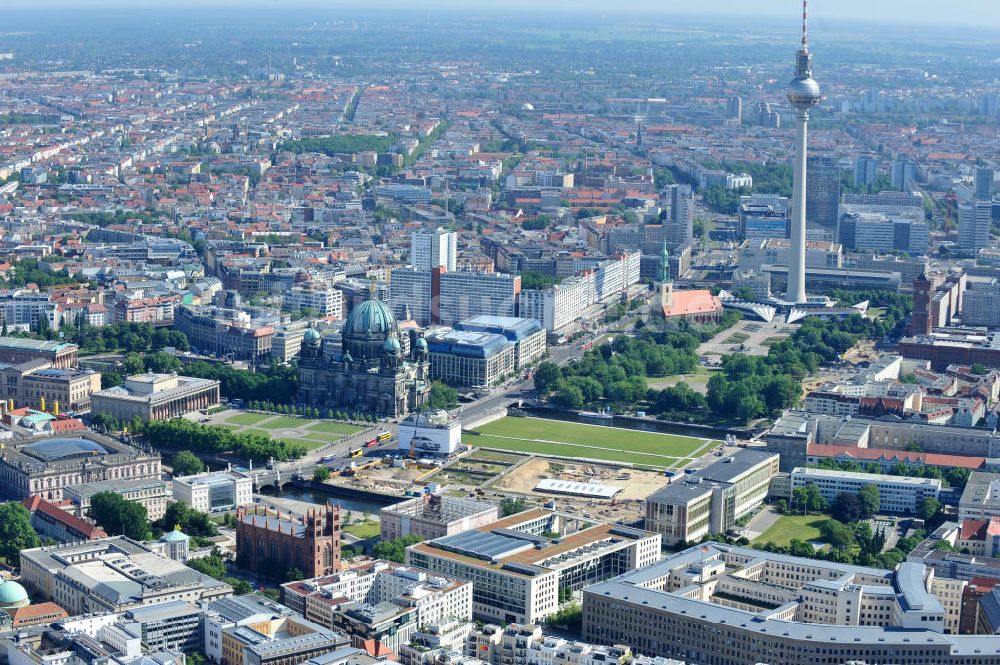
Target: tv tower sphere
(803,90)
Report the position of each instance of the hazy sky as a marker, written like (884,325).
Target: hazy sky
(963,12)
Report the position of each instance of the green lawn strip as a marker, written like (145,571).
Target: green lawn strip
(310,444)
(788,527)
(285,422)
(364,530)
(573,451)
(342,429)
(616,438)
(248,419)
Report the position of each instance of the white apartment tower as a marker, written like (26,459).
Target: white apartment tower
(974,220)
(433,248)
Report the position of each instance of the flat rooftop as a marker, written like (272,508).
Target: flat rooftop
(501,546)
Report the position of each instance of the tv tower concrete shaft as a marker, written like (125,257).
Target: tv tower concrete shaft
(803,93)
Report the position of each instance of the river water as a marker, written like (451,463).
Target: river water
(321,498)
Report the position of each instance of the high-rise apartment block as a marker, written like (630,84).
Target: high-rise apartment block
(734,109)
(974,221)
(822,193)
(865,171)
(902,174)
(984,183)
(682,210)
(433,248)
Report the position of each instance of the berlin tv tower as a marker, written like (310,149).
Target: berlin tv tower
(803,94)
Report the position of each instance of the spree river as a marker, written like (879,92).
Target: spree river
(322,498)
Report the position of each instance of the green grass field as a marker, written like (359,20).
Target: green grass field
(789,527)
(566,439)
(285,422)
(247,419)
(338,429)
(364,530)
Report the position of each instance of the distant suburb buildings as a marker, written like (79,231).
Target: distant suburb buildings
(518,564)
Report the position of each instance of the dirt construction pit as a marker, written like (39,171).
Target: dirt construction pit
(636,485)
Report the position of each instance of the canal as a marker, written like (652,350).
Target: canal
(354,504)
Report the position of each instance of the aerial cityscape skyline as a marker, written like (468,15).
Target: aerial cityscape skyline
(539,333)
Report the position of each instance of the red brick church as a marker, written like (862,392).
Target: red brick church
(272,544)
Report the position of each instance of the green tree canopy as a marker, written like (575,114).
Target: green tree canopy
(395,549)
(16,532)
(870,500)
(847,507)
(442,396)
(186,463)
(118,516)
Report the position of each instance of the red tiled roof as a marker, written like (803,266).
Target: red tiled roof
(67,425)
(687,303)
(973,529)
(31,614)
(37,503)
(901,456)
(377,649)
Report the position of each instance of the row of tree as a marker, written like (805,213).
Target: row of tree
(276,383)
(955,476)
(186,435)
(16,532)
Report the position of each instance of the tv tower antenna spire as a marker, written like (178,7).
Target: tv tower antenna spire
(805,25)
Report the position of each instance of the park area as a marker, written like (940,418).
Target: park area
(308,432)
(807,528)
(597,442)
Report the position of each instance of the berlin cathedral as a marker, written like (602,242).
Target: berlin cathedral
(376,371)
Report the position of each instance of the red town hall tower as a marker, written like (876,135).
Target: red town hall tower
(272,544)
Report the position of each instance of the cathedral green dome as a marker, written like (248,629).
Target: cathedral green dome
(421,344)
(391,345)
(372,317)
(12,594)
(311,335)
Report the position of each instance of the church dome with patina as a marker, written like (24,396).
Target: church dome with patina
(372,318)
